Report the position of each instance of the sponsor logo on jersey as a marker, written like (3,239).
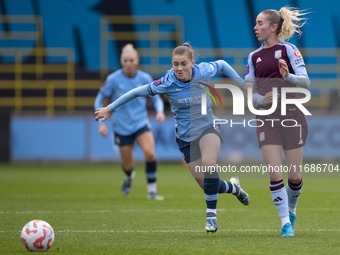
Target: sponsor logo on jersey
(158,82)
(278,54)
(298,61)
(190,100)
(297,53)
(258,60)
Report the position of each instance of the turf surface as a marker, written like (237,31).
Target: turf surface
(89,214)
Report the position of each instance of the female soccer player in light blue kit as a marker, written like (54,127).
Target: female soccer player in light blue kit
(130,122)
(197,138)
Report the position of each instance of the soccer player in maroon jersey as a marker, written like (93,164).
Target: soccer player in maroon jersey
(279,64)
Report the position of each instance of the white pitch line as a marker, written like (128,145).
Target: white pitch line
(56,211)
(178,231)
(219,210)
(174,210)
(120,210)
(179,210)
(188,230)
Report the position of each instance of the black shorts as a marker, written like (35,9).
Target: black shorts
(122,140)
(191,150)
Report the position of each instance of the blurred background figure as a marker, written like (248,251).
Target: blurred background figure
(130,123)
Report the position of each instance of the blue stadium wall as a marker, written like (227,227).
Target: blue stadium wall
(77,138)
(207,23)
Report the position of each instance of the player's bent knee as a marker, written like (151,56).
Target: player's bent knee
(295,180)
(149,155)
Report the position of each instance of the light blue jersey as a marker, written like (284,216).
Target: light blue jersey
(132,116)
(185,98)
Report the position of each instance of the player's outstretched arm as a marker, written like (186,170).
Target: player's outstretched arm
(105,112)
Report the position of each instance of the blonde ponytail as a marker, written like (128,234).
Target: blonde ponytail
(288,21)
(292,22)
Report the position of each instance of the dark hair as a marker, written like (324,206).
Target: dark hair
(185,48)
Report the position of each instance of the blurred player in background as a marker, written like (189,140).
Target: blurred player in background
(197,138)
(279,64)
(130,122)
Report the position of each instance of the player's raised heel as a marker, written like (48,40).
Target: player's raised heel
(241,195)
(287,230)
(211,223)
(127,184)
(292,219)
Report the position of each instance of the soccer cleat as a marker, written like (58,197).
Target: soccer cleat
(292,219)
(127,184)
(211,224)
(241,195)
(287,230)
(154,196)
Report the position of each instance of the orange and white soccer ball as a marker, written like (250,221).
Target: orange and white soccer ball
(37,235)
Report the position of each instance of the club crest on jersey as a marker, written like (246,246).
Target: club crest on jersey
(297,53)
(262,137)
(158,82)
(278,54)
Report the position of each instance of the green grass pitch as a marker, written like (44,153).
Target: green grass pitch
(89,214)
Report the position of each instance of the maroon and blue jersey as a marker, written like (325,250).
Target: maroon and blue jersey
(263,71)
(263,68)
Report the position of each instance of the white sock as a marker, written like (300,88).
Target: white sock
(285,220)
(292,209)
(211,211)
(279,195)
(152,187)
